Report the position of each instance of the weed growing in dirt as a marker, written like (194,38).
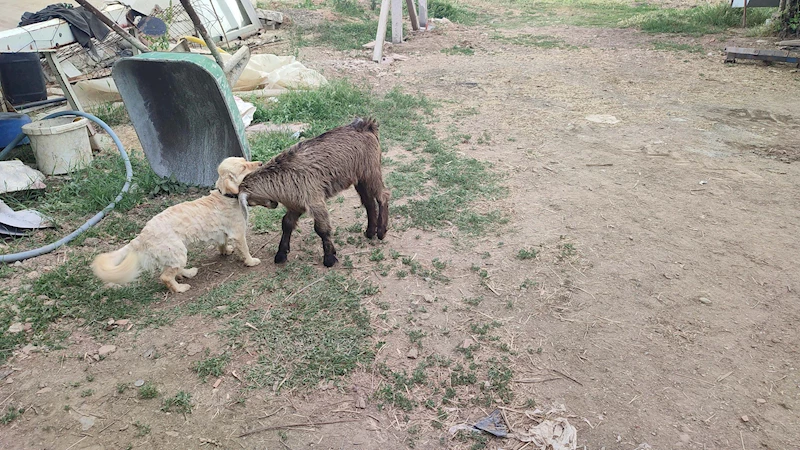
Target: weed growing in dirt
(141,429)
(211,366)
(180,403)
(458,50)
(148,391)
(12,413)
(224,298)
(348,7)
(264,146)
(677,47)
(525,253)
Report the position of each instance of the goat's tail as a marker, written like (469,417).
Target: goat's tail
(120,267)
(243,204)
(368,124)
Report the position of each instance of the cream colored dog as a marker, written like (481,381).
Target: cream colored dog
(216,218)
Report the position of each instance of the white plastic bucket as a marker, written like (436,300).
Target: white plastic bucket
(60,145)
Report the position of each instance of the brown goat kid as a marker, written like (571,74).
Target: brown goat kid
(305,175)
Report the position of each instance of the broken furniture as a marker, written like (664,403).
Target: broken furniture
(734,53)
(184,113)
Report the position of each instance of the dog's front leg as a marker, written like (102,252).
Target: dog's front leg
(240,245)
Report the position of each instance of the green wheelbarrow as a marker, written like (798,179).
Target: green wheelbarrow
(183,111)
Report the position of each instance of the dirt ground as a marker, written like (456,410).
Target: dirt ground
(673,324)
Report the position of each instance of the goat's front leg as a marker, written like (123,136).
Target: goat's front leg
(288,224)
(372,212)
(322,227)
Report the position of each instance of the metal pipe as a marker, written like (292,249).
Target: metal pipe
(202,30)
(103,18)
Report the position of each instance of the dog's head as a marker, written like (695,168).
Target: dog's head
(231,173)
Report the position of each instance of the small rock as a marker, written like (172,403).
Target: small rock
(32,275)
(43,390)
(106,349)
(9,380)
(149,352)
(745,419)
(361,403)
(123,322)
(29,348)
(413,353)
(16,327)
(138,383)
(705,301)
(467,343)
(760,401)
(193,349)
(87,422)
(685,438)
(602,118)
(172,433)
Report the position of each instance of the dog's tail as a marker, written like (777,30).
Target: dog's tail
(243,204)
(120,267)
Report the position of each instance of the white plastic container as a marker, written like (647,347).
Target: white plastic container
(60,145)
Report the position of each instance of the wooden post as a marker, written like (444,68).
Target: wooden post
(382,23)
(744,15)
(63,81)
(397,22)
(203,33)
(412,14)
(423,14)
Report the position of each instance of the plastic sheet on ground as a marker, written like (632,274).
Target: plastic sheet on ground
(246,110)
(556,434)
(16,176)
(263,71)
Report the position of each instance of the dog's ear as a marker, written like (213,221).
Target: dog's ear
(226,185)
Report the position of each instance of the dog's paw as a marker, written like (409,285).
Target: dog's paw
(329,260)
(189,273)
(252,262)
(178,288)
(280,258)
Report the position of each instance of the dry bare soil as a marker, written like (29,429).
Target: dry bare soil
(661,307)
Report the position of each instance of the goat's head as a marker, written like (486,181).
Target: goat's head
(231,173)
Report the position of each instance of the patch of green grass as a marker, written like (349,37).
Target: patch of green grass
(221,300)
(702,19)
(345,35)
(87,393)
(265,220)
(211,366)
(376,255)
(677,47)
(452,10)
(181,403)
(112,114)
(532,40)
(264,146)
(315,329)
(408,178)
(12,413)
(348,7)
(148,391)
(458,50)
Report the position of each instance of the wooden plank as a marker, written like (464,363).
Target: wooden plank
(58,71)
(382,23)
(412,14)
(397,21)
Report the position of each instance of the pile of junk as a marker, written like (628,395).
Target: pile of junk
(179,68)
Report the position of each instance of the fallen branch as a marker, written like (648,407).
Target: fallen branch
(295,425)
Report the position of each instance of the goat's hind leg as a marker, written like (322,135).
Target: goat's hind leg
(322,227)
(372,212)
(288,224)
(383,212)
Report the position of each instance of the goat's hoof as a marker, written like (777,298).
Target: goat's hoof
(381,234)
(369,234)
(280,258)
(329,260)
